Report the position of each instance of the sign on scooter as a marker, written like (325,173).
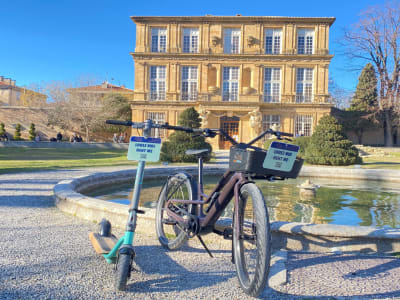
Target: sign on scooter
(144,149)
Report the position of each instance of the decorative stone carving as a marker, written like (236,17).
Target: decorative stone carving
(251,40)
(204,114)
(215,40)
(212,89)
(256,120)
(247,90)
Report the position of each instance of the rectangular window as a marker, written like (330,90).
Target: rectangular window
(273,41)
(303,125)
(158,39)
(189,83)
(158,118)
(268,121)
(231,40)
(272,85)
(230,90)
(157,82)
(304,85)
(190,40)
(305,41)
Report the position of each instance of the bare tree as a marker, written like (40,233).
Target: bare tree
(339,96)
(73,109)
(376,38)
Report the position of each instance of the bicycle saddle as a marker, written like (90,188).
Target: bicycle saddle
(196,151)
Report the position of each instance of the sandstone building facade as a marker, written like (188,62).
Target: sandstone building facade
(242,74)
(13,95)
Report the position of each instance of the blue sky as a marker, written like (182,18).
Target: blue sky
(44,40)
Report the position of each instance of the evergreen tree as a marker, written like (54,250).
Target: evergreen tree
(17,134)
(32,132)
(178,142)
(366,95)
(360,115)
(2,129)
(329,146)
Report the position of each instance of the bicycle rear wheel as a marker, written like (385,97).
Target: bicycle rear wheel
(179,187)
(252,240)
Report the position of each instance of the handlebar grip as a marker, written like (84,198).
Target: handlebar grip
(179,128)
(285,134)
(118,122)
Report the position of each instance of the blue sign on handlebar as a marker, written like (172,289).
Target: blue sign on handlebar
(144,149)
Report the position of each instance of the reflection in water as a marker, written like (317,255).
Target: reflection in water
(346,202)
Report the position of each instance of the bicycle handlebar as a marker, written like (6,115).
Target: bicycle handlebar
(118,122)
(206,132)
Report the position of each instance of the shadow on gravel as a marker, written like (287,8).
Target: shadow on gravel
(27,201)
(154,260)
(17,188)
(358,276)
(29,181)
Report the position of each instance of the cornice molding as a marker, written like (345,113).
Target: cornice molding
(233,19)
(229,57)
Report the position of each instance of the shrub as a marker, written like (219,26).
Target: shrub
(301,141)
(178,142)
(32,132)
(329,146)
(2,129)
(17,134)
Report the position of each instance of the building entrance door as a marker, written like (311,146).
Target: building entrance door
(231,126)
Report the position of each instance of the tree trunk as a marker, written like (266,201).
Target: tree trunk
(388,130)
(359,136)
(87,135)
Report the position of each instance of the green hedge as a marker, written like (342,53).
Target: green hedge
(302,141)
(178,142)
(329,146)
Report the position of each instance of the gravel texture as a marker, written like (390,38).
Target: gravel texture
(46,254)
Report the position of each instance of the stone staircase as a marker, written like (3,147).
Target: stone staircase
(372,151)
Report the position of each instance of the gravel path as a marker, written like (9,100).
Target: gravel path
(46,254)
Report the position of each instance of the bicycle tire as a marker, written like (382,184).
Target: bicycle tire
(122,272)
(180,186)
(252,265)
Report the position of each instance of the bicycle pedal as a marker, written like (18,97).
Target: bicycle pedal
(228,233)
(138,211)
(169,222)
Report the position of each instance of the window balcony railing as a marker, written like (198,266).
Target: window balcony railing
(304,98)
(192,96)
(230,97)
(271,99)
(157,96)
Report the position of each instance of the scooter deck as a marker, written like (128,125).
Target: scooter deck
(102,244)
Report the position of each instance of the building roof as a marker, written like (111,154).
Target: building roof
(233,19)
(105,87)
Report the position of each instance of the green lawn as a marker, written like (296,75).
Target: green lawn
(392,161)
(13,160)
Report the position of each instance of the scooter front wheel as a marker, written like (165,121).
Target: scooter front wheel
(123,271)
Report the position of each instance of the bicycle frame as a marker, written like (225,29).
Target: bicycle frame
(227,187)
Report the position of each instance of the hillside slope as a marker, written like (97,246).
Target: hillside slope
(11,116)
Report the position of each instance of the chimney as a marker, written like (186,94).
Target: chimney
(104,85)
(123,86)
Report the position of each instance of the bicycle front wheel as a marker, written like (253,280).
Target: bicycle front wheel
(252,240)
(178,187)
